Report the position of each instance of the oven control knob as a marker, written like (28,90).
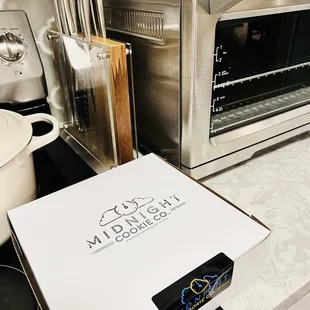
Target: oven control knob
(12,47)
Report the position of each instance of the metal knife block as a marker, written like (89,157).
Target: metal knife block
(97,82)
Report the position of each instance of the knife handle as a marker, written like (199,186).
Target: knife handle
(94,18)
(101,20)
(57,16)
(63,18)
(86,19)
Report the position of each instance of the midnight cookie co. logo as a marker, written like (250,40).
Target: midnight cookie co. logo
(125,209)
(131,218)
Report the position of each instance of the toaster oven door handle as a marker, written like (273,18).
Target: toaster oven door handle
(217,6)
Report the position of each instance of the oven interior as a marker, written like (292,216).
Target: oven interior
(261,69)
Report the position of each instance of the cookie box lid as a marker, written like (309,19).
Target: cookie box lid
(141,236)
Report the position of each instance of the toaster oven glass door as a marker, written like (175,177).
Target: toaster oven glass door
(261,68)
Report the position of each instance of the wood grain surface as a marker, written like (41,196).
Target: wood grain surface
(119,89)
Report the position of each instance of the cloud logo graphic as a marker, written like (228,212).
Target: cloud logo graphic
(108,217)
(124,209)
(141,202)
(186,296)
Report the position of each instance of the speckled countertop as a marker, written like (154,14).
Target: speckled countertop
(275,187)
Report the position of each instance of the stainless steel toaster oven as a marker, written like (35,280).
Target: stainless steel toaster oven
(216,80)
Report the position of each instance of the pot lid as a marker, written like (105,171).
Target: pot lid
(15,134)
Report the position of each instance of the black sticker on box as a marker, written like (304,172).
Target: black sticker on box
(198,287)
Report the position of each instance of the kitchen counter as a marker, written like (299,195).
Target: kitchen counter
(275,187)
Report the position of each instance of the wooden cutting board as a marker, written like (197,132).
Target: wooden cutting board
(119,92)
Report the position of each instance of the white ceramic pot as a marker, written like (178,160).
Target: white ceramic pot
(17,175)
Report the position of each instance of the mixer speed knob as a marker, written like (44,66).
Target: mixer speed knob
(12,47)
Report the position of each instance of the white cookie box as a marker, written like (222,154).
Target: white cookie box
(117,240)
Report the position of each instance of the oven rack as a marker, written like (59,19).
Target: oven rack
(262,75)
(248,114)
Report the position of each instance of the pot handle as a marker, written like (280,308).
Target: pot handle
(38,142)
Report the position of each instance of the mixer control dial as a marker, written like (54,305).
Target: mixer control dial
(12,47)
